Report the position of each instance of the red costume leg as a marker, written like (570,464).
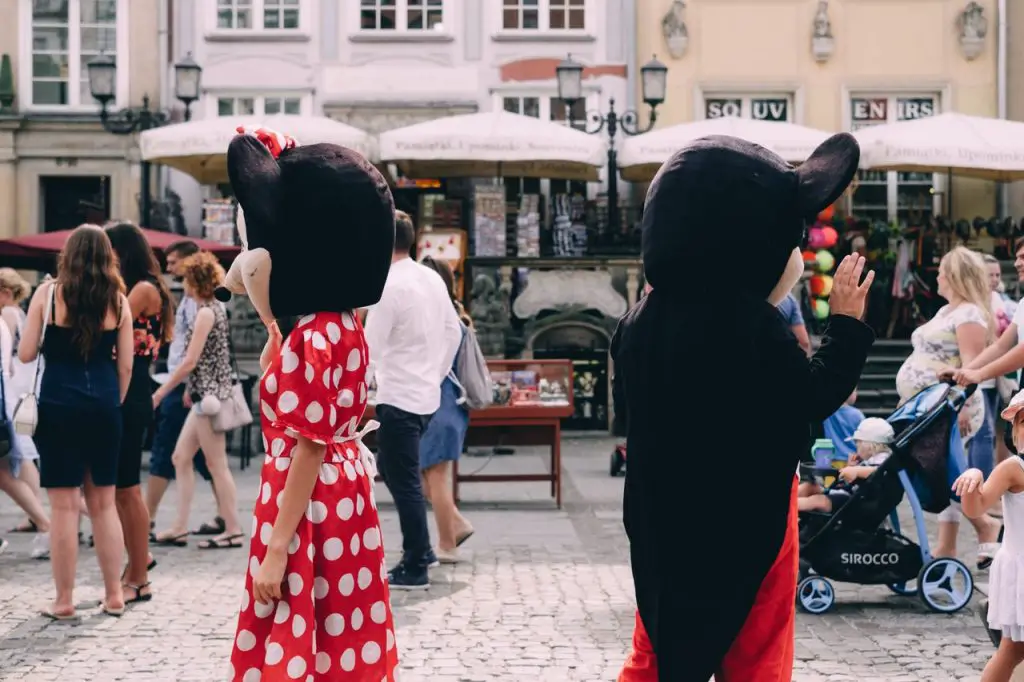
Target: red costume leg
(763,651)
(641,666)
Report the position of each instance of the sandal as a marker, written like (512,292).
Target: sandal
(179,540)
(116,613)
(229,542)
(149,567)
(139,597)
(27,527)
(986,552)
(53,615)
(462,538)
(216,528)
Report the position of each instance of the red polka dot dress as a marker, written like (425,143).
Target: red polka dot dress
(334,621)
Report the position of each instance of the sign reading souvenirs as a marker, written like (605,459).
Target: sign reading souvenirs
(871,111)
(910,108)
(760,108)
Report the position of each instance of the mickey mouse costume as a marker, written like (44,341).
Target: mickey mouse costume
(718,391)
(318,228)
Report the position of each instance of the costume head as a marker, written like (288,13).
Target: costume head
(317,225)
(721,199)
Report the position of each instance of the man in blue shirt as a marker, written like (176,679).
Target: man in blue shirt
(790,310)
(172,409)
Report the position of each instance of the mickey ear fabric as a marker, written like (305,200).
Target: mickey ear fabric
(826,174)
(255,179)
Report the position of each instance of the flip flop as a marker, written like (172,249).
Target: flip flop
(115,613)
(229,542)
(465,536)
(139,597)
(63,617)
(179,540)
(215,528)
(986,552)
(27,527)
(149,567)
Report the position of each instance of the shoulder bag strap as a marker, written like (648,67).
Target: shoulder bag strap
(50,307)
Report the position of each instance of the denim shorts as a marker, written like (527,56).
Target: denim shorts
(170,418)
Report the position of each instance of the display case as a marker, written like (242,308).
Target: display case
(541,387)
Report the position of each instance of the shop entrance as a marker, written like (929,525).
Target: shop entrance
(67,201)
(587,348)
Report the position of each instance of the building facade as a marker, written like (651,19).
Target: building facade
(384,64)
(58,166)
(1015,89)
(836,66)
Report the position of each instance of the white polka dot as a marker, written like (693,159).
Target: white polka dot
(346,585)
(263,610)
(350,471)
(333,416)
(294,584)
(364,578)
(373,499)
(348,660)
(383,572)
(360,504)
(265,493)
(317,511)
(293,546)
(360,469)
(357,618)
(348,322)
(327,378)
(252,675)
(391,640)
(345,508)
(320,587)
(275,652)
(280,496)
(270,383)
(371,653)
(305,319)
(298,625)
(297,667)
(319,342)
(282,613)
(334,624)
(267,411)
(379,612)
(282,464)
(245,640)
(355,360)
(346,398)
(336,377)
(306,335)
(265,530)
(314,412)
(287,402)
(354,545)
(310,551)
(333,549)
(362,392)
(245,601)
(309,372)
(328,474)
(333,332)
(254,566)
(323,662)
(353,424)
(371,538)
(289,360)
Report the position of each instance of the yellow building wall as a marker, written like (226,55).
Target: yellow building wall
(882,47)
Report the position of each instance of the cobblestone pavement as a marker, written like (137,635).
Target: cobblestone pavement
(544,595)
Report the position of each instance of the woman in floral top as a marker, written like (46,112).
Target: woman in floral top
(959,331)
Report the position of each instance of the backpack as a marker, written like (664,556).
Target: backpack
(471,373)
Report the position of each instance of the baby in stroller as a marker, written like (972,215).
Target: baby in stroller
(873,439)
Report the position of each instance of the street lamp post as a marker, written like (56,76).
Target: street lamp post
(570,90)
(103,85)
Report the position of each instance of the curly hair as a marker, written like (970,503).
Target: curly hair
(202,273)
(14,283)
(90,284)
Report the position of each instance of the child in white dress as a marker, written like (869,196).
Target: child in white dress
(1006,577)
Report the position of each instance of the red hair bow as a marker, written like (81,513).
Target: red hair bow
(274,141)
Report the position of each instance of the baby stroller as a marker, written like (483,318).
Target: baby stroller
(861,542)
(618,463)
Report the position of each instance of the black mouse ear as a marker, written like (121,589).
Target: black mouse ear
(827,172)
(256,181)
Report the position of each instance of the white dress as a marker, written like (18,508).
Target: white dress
(1006,577)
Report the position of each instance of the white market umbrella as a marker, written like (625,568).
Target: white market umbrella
(493,144)
(956,144)
(641,156)
(199,148)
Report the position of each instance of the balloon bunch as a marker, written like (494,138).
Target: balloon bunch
(820,240)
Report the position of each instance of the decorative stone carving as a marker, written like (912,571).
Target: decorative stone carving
(562,289)
(575,316)
(677,37)
(822,42)
(489,308)
(973,27)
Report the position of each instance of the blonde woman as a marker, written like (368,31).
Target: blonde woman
(957,334)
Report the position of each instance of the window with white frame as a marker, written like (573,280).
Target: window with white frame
(549,109)
(541,15)
(66,36)
(248,105)
(401,15)
(266,14)
(886,196)
(761,107)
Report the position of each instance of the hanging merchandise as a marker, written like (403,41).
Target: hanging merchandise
(821,285)
(219,220)
(489,220)
(825,261)
(829,237)
(528,227)
(820,308)
(569,232)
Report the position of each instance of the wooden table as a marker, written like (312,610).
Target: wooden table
(505,426)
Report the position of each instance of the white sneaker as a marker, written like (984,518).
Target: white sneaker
(41,547)
(3,545)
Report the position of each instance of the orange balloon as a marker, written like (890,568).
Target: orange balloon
(809,256)
(827,215)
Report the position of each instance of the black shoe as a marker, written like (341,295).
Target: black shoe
(401,577)
(995,635)
(432,561)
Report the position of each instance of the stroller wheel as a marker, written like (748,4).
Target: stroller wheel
(907,589)
(945,585)
(815,594)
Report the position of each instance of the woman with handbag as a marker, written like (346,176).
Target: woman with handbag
(76,322)
(210,391)
(151,309)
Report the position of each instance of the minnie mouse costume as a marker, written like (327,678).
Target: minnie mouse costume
(716,586)
(318,227)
